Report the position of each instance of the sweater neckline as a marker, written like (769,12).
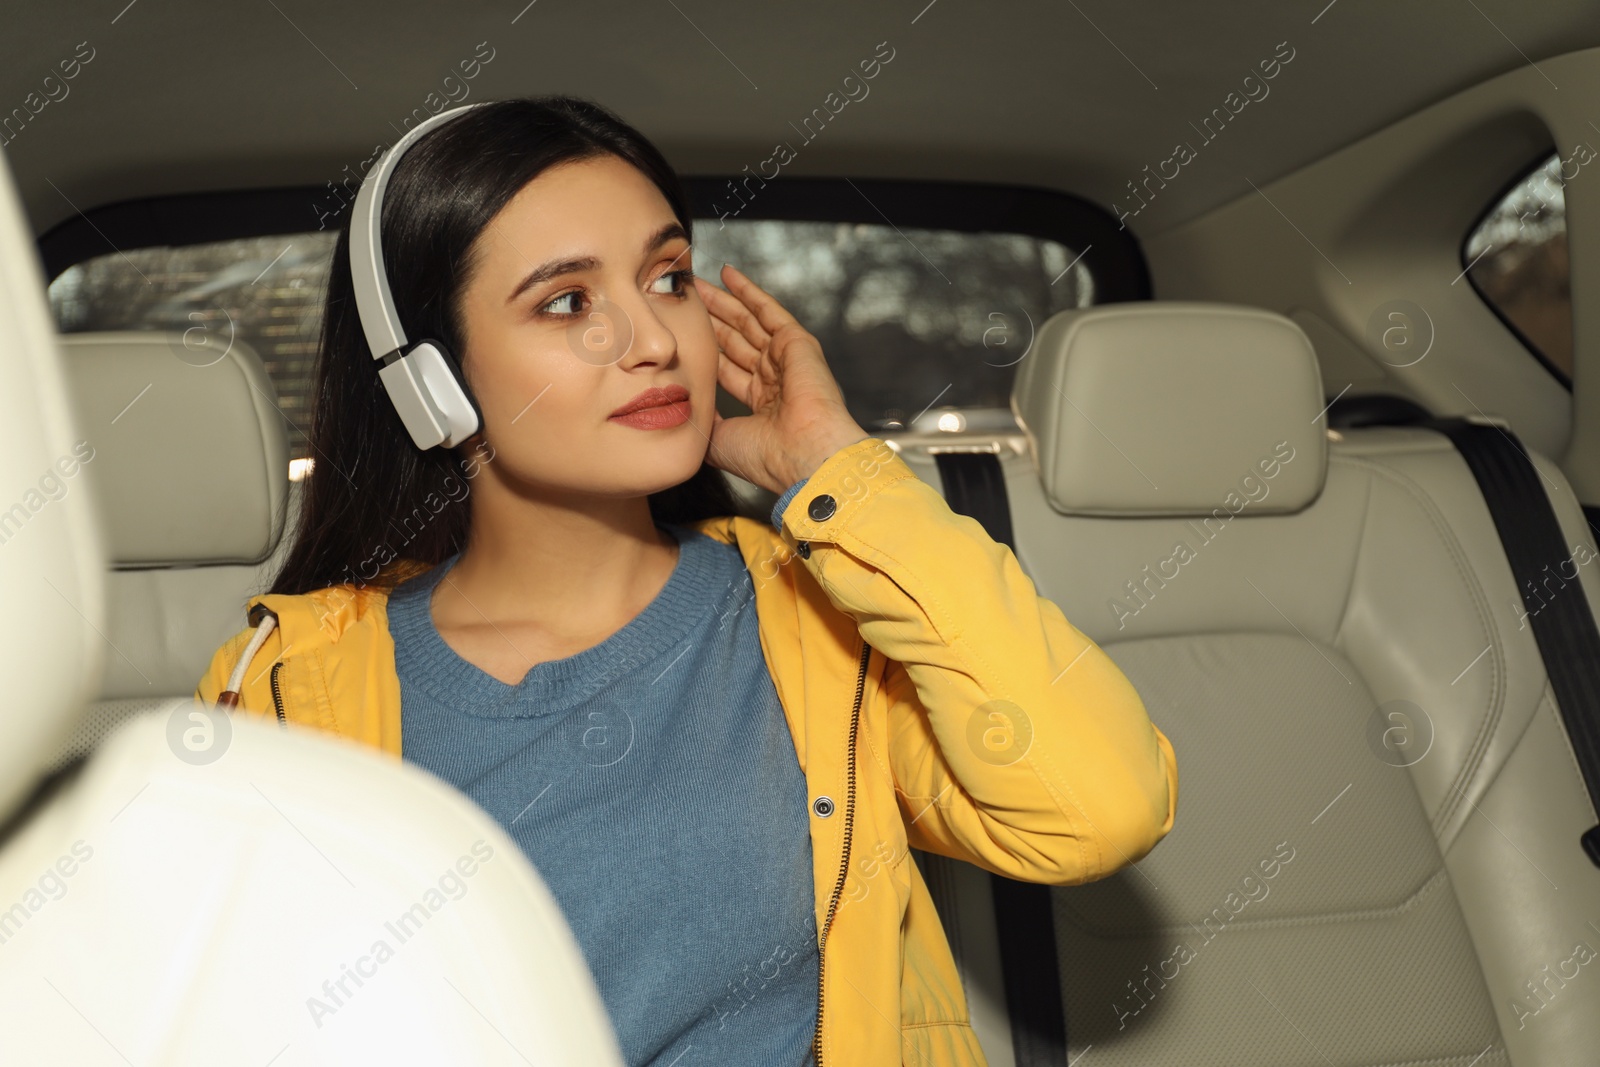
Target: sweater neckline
(551,686)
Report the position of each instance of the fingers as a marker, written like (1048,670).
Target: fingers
(736,380)
(734,344)
(728,308)
(743,349)
(768,312)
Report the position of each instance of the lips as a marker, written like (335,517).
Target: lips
(653,398)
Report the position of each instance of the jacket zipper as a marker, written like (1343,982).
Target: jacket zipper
(277,695)
(844,861)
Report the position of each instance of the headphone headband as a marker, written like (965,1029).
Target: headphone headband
(374,302)
(423,382)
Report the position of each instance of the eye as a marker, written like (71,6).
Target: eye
(565,304)
(678,282)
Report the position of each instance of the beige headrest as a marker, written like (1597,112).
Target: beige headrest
(52,563)
(1173,409)
(190,453)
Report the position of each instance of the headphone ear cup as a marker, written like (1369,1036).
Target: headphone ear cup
(461,382)
(431,396)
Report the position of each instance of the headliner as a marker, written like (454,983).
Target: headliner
(184,95)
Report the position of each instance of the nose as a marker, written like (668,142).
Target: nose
(653,342)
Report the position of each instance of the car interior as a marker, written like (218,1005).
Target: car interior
(1255,332)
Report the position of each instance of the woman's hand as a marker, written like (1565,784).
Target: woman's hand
(771,363)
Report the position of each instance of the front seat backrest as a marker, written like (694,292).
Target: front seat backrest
(52,569)
(205,889)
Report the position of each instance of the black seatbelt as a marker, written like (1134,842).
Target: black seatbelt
(974,485)
(1563,624)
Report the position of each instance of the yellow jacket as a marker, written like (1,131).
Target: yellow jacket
(934,697)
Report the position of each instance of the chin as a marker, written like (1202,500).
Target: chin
(662,468)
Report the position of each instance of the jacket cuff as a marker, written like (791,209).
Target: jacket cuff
(783,502)
(840,488)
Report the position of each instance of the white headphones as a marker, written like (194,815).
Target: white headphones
(424,382)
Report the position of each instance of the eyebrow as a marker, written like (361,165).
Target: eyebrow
(556,268)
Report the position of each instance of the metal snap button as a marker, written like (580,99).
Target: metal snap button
(823,806)
(822,508)
(804,548)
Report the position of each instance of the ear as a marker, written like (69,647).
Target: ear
(473,454)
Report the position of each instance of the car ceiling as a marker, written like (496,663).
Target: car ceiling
(184,96)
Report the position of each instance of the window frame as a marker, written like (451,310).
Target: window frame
(1111,254)
(1520,175)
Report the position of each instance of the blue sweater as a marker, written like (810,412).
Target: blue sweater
(653,782)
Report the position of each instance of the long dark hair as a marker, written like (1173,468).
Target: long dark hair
(372,496)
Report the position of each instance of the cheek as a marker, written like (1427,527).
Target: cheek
(693,326)
(543,409)
(514,370)
(541,412)
(697,341)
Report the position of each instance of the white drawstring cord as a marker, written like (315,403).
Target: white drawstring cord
(229,697)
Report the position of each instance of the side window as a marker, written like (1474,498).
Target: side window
(1516,258)
(264,291)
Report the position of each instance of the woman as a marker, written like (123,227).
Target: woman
(553,617)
